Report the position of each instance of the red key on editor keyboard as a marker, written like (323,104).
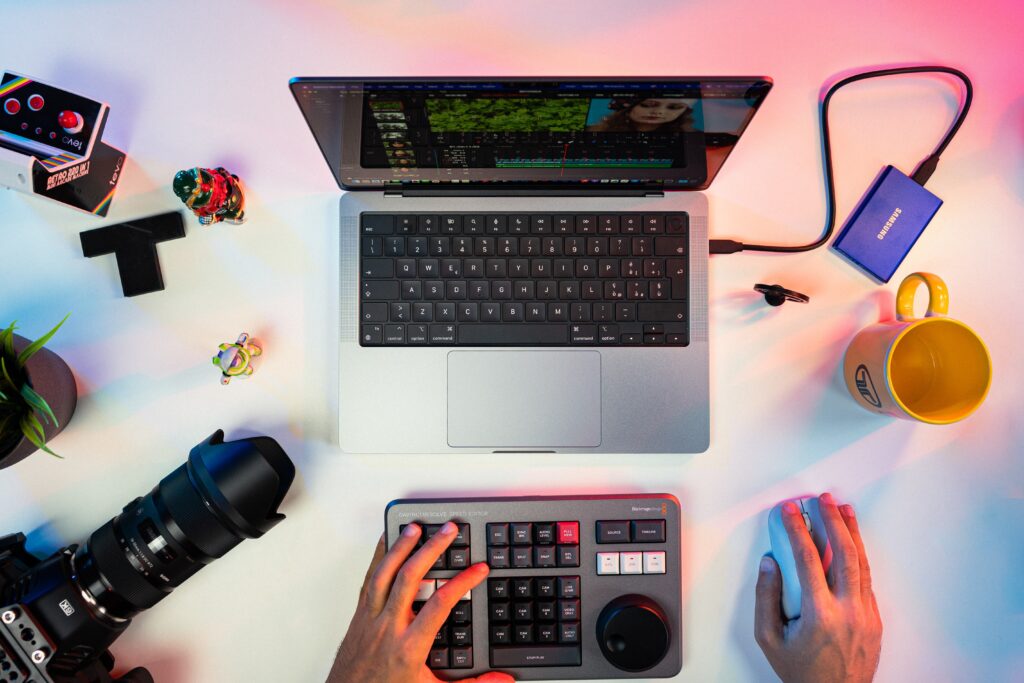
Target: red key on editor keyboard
(568,532)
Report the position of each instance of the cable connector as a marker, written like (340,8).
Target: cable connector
(724,246)
(925,169)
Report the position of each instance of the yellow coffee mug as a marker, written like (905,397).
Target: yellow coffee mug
(933,369)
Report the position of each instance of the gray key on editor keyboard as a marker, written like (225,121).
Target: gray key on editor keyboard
(537,655)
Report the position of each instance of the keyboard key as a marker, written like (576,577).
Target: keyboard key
(568,532)
(394,334)
(394,246)
(442,334)
(568,587)
(372,334)
(569,610)
(458,558)
(499,611)
(416,334)
(544,556)
(607,564)
(521,557)
(461,636)
(512,335)
(648,530)
(654,562)
(631,563)
(543,534)
(661,312)
(612,532)
(547,633)
(522,611)
(501,634)
(654,224)
(462,612)
(498,588)
(497,534)
(373,246)
(569,632)
(545,588)
(377,224)
(377,268)
(438,658)
(522,533)
(462,657)
(522,588)
(374,312)
(522,633)
(669,246)
(546,611)
(677,224)
(568,556)
(539,655)
(583,334)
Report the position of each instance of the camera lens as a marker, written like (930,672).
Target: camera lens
(225,492)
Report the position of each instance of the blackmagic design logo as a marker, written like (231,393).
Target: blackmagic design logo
(866,387)
(889,223)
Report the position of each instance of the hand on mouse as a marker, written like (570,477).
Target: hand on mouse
(386,642)
(838,635)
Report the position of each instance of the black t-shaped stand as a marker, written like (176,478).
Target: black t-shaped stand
(134,245)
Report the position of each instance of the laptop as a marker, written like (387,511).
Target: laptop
(523,261)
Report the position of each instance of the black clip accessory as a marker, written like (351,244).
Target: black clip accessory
(776,295)
(134,245)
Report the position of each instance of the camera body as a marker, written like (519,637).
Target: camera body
(59,615)
(48,629)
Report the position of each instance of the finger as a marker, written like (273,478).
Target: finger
(430,619)
(813,586)
(845,565)
(864,570)
(768,604)
(378,555)
(490,677)
(416,567)
(379,587)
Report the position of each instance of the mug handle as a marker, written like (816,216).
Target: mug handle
(938,296)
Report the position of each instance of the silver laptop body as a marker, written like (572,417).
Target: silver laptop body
(438,399)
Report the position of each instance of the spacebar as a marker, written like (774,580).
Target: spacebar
(513,333)
(540,655)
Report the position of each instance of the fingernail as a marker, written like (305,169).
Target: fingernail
(767,565)
(411,530)
(790,508)
(449,528)
(827,498)
(847,510)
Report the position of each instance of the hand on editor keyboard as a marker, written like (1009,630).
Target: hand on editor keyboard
(385,642)
(838,635)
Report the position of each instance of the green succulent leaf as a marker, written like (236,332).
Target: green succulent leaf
(33,431)
(38,404)
(7,340)
(31,349)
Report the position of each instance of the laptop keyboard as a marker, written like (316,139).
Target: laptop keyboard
(503,279)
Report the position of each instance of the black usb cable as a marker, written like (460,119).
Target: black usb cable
(920,176)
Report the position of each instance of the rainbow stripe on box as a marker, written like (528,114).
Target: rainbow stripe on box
(102,207)
(11,86)
(59,159)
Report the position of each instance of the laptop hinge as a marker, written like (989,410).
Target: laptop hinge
(496,192)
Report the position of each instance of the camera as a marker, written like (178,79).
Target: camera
(59,615)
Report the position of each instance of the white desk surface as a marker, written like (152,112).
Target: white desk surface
(206,83)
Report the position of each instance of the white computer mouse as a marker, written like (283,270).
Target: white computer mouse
(782,551)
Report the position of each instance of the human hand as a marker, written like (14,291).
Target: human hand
(386,642)
(838,635)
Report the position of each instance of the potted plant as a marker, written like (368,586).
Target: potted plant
(37,395)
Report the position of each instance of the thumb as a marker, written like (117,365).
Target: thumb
(490,677)
(768,604)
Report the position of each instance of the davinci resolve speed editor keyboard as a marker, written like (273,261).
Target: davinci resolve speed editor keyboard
(581,587)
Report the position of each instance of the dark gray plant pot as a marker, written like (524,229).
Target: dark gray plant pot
(51,377)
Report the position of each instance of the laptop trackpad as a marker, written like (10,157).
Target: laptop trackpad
(524,399)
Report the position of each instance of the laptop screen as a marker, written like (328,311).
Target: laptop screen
(587,134)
